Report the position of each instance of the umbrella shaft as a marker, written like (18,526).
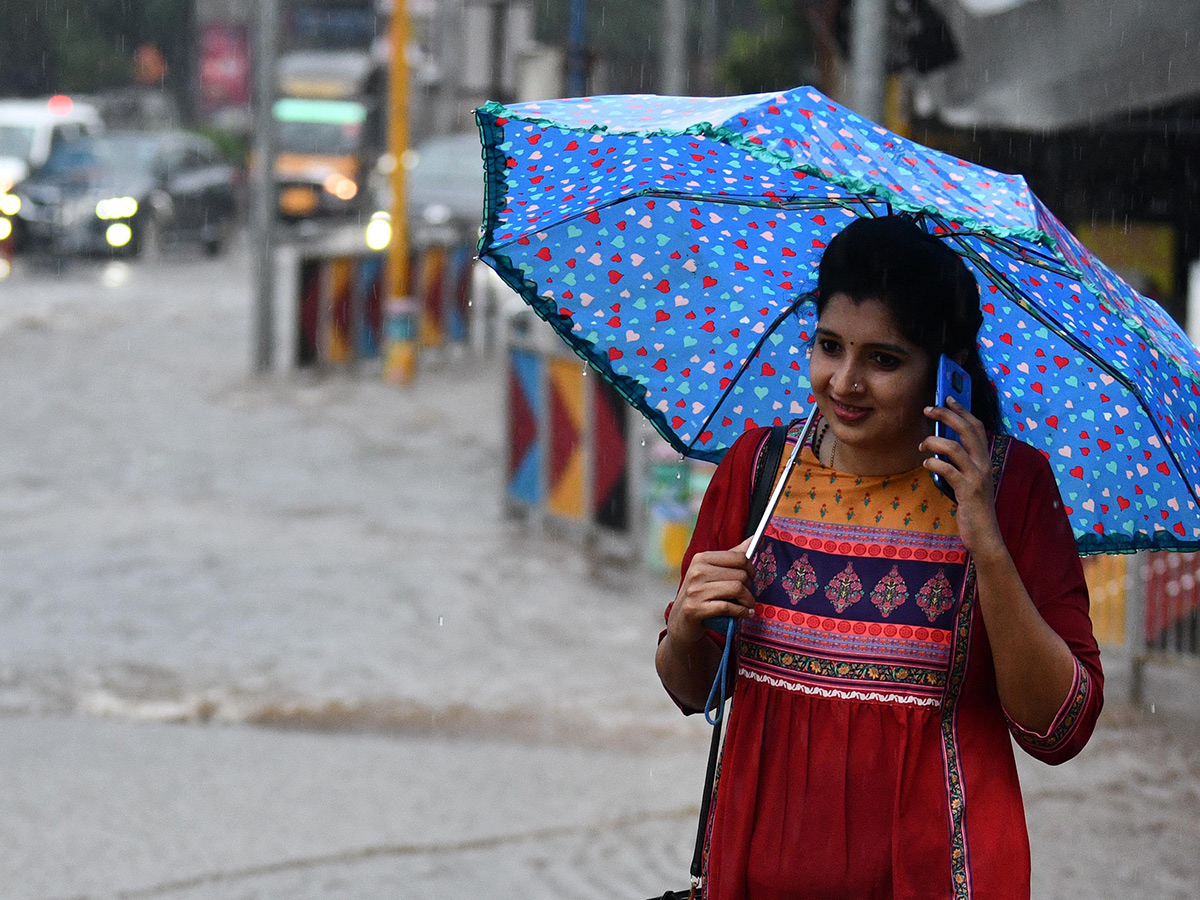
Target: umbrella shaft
(778,491)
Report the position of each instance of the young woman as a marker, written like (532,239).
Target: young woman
(890,640)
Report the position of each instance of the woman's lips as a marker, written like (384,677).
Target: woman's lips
(847,413)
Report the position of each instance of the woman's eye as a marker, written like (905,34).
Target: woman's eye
(886,360)
(828,346)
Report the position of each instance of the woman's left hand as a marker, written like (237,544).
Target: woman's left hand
(967,466)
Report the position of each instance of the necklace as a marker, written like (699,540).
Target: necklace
(820,446)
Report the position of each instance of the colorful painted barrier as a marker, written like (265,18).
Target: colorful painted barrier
(580,458)
(1173,602)
(339,298)
(1162,589)
(340,317)
(569,453)
(1106,578)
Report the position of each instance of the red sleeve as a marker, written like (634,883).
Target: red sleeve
(721,522)
(1039,536)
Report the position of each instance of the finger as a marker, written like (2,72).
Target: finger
(948,449)
(973,428)
(732,591)
(729,566)
(703,564)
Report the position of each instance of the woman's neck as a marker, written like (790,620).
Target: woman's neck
(843,457)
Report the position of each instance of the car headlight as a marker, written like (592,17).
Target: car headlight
(379,231)
(10,204)
(116,208)
(341,186)
(118,234)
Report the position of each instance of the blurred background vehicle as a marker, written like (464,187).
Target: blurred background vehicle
(30,130)
(330,132)
(324,147)
(131,193)
(136,107)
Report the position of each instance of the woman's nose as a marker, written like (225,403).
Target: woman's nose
(847,380)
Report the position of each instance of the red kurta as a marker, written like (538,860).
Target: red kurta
(867,754)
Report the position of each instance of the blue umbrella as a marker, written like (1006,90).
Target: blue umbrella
(673,243)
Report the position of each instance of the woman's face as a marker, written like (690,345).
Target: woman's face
(872,385)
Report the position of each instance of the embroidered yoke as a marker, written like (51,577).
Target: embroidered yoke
(867,752)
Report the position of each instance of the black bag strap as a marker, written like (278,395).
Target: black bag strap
(769,455)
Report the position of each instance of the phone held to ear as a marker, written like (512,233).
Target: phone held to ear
(952,381)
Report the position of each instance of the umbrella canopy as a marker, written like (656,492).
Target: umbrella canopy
(674,242)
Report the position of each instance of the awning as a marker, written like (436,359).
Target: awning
(1045,66)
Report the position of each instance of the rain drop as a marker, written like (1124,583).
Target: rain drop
(440,621)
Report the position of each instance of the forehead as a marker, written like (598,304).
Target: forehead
(866,322)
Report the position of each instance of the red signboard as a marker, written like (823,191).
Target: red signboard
(224,67)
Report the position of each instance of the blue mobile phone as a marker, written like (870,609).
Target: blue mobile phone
(952,381)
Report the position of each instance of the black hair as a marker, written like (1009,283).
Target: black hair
(929,290)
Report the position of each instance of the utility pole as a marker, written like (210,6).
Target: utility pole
(577,64)
(402,314)
(263,183)
(868,58)
(674,80)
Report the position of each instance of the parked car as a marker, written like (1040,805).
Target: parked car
(130,192)
(30,130)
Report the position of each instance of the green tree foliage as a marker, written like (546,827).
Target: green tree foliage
(774,54)
(81,46)
(734,46)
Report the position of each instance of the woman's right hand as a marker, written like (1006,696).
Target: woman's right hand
(717,583)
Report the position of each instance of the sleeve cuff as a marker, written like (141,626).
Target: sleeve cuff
(1064,723)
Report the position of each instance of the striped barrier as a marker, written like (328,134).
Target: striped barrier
(339,314)
(570,463)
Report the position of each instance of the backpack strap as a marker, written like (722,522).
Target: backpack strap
(770,452)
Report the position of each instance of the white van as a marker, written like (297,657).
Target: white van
(30,129)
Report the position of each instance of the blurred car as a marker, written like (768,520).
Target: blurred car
(321,149)
(30,130)
(130,192)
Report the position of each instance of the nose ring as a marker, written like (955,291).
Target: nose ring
(855,387)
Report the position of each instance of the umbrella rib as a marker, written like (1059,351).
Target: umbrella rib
(790,201)
(1017,296)
(1040,260)
(791,309)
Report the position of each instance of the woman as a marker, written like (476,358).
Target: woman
(890,640)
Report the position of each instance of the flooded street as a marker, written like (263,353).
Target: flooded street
(274,638)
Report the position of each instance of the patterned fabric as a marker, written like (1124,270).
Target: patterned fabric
(673,243)
(842,540)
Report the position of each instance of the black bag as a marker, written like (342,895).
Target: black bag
(760,493)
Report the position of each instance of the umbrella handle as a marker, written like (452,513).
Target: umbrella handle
(728,624)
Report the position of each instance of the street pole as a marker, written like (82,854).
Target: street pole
(868,58)
(674,47)
(577,49)
(402,315)
(263,184)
